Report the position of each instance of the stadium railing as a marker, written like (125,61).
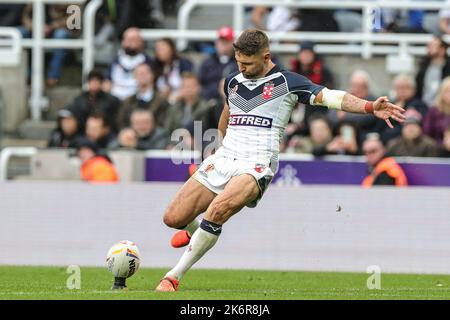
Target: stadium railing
(370,15)
(365,43)
(38,44)
(10,53)
(8,152)
(174,166)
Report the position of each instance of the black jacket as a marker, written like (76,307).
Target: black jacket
(82,106)
(157,139)
(57,139)
(11,15)
(211,72)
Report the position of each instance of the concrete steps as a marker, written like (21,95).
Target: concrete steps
(21,142)
(36,130)
(206,18)
(59,97)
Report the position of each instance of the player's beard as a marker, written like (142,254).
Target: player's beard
(254,75)
(249,76)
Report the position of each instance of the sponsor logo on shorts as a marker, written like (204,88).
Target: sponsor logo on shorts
(260,168)
(250,120)
(209,168)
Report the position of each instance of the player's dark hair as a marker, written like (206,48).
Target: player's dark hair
(251,41)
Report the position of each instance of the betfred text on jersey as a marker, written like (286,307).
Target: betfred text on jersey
(250,120)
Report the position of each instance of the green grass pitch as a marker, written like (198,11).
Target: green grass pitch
(50,283)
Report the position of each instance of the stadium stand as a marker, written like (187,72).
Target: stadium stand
(382,39)
(108,109)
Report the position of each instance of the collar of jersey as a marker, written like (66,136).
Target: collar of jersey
(273,70)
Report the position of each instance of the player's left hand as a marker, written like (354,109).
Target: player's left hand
(383,109)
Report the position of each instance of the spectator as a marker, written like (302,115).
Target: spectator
(190,106)
(95,168)
(402,21)
(317,20)
(99,131)
(143,134)
(359,86)
(131,13)
(147,97)
(405,94)
(278,18)
(67,132)
(95,100)
(216,108)
(55,27)
(308,64)
(121,82)
(383,170)
(11,15)
(344,143)
(412,142)
(218,65)
(434,68)
(444,18)
(169,67)
(114,17)
(444,150)
(299,121)
(405,97)
(321,134)
(437,119)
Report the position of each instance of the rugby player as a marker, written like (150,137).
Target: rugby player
(259,101)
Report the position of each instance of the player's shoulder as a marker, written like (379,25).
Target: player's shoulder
(298,82)
(294,79)
(231,77)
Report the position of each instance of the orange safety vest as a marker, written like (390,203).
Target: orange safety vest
(389,166)
(98,169)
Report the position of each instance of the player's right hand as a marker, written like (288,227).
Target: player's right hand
(384,109)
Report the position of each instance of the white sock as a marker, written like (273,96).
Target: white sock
(192,227)
(201,242)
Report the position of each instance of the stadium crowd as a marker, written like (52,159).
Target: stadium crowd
(142,98)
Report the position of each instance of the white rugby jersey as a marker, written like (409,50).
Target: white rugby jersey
(259,113)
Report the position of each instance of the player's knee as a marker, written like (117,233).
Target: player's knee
(171,219)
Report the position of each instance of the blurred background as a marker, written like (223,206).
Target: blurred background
(69,73)
(93,91)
